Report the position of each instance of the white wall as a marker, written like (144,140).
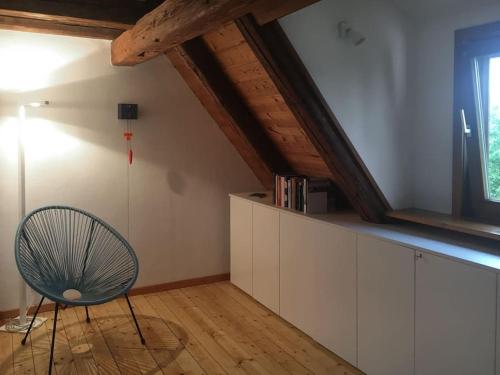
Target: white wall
(433,149)
(183,167)
(367,87)
(393,94)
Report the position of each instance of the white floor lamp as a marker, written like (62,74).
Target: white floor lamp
(22,322)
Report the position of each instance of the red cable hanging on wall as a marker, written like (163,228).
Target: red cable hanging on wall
(128,112)
(128,136)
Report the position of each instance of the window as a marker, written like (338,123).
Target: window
(487,100)
(476,187)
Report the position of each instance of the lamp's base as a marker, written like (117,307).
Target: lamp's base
(14,325)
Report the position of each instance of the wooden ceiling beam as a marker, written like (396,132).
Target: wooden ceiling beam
(84,18)
(281,61)
(177,21)
(199,68)
(57,28)
(119,12)
(67,20)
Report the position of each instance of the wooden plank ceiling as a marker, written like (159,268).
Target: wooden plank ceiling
(277,55)
(264,100)
(286,109)
(217,93)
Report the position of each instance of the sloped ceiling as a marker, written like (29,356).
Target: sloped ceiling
(256,70)
(264,100)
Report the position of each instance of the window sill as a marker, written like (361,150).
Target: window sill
(447,222)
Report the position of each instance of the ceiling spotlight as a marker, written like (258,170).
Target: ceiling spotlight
(347,32)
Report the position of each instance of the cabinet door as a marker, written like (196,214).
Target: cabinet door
(386,287)
(498,328)
(455,318)
(318,282)
(241,244)
(266,256)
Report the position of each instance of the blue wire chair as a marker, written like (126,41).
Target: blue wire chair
(63,252)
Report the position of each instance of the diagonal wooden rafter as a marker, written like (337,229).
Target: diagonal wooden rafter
(177,21)
(288,73)
(204,75)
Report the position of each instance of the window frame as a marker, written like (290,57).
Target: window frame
(469,195)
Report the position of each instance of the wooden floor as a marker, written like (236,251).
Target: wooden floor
(209,329)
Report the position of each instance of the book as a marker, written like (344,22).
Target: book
(285,191)
(305,194)
(289,191)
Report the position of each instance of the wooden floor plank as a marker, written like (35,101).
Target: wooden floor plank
(205,336)
(185,336)
(6,358)
(224,308)
(308,352)
(180,354)
(23,356)
(123,340)
(111,334)
(64,363)
(241,355)
(105,362)
(80,348)
(209,329)
(40,346)
(233,329)
(160,341)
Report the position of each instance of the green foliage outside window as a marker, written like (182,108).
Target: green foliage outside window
(494,154)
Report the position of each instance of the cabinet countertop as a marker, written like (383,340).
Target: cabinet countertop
(483,253)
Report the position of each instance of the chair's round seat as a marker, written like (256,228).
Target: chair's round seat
(73,257)
(62,291)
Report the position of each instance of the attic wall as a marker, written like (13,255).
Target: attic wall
(367,87)
(183,168)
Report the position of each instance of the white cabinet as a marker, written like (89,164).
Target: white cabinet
(455,318)
(241,244)
(266,256)
(498,328)
(318,282)
(374,303)
(386,287)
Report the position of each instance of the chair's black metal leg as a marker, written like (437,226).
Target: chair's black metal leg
(23,341)
(53,339)
(87,312)
(135,320)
